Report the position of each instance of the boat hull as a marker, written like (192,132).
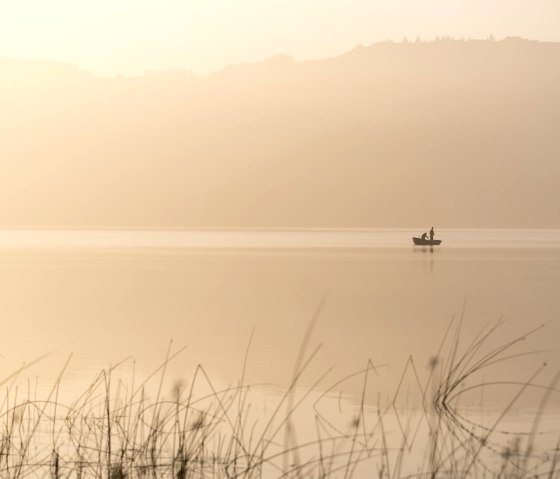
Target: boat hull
(421,242)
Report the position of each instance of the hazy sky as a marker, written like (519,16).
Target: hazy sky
(131,36)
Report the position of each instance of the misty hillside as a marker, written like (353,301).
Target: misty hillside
(450,133)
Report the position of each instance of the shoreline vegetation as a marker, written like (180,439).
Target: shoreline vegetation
(119,428)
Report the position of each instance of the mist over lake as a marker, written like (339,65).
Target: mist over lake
(279,240)
(106,295)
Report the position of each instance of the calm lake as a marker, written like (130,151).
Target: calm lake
(370,321)
(107,295)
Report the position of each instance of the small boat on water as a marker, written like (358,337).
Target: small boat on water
(425,242)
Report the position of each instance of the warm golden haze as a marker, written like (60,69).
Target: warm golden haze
(111,37)
(280,239)
(452,133)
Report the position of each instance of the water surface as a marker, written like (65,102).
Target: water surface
(105,295)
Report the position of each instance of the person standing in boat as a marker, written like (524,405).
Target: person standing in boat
(432,234)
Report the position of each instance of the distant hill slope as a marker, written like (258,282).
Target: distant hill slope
(451,133)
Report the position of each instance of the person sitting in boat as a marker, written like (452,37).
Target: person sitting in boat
(424,237)
(432,234)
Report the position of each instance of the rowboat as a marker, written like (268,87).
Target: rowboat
(425,242)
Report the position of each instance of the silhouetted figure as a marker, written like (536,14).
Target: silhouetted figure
(424,241)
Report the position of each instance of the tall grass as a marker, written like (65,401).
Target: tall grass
(118,429)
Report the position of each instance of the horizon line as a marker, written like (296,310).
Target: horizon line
(185,70)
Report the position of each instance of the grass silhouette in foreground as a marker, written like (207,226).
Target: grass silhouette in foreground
(118,429)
